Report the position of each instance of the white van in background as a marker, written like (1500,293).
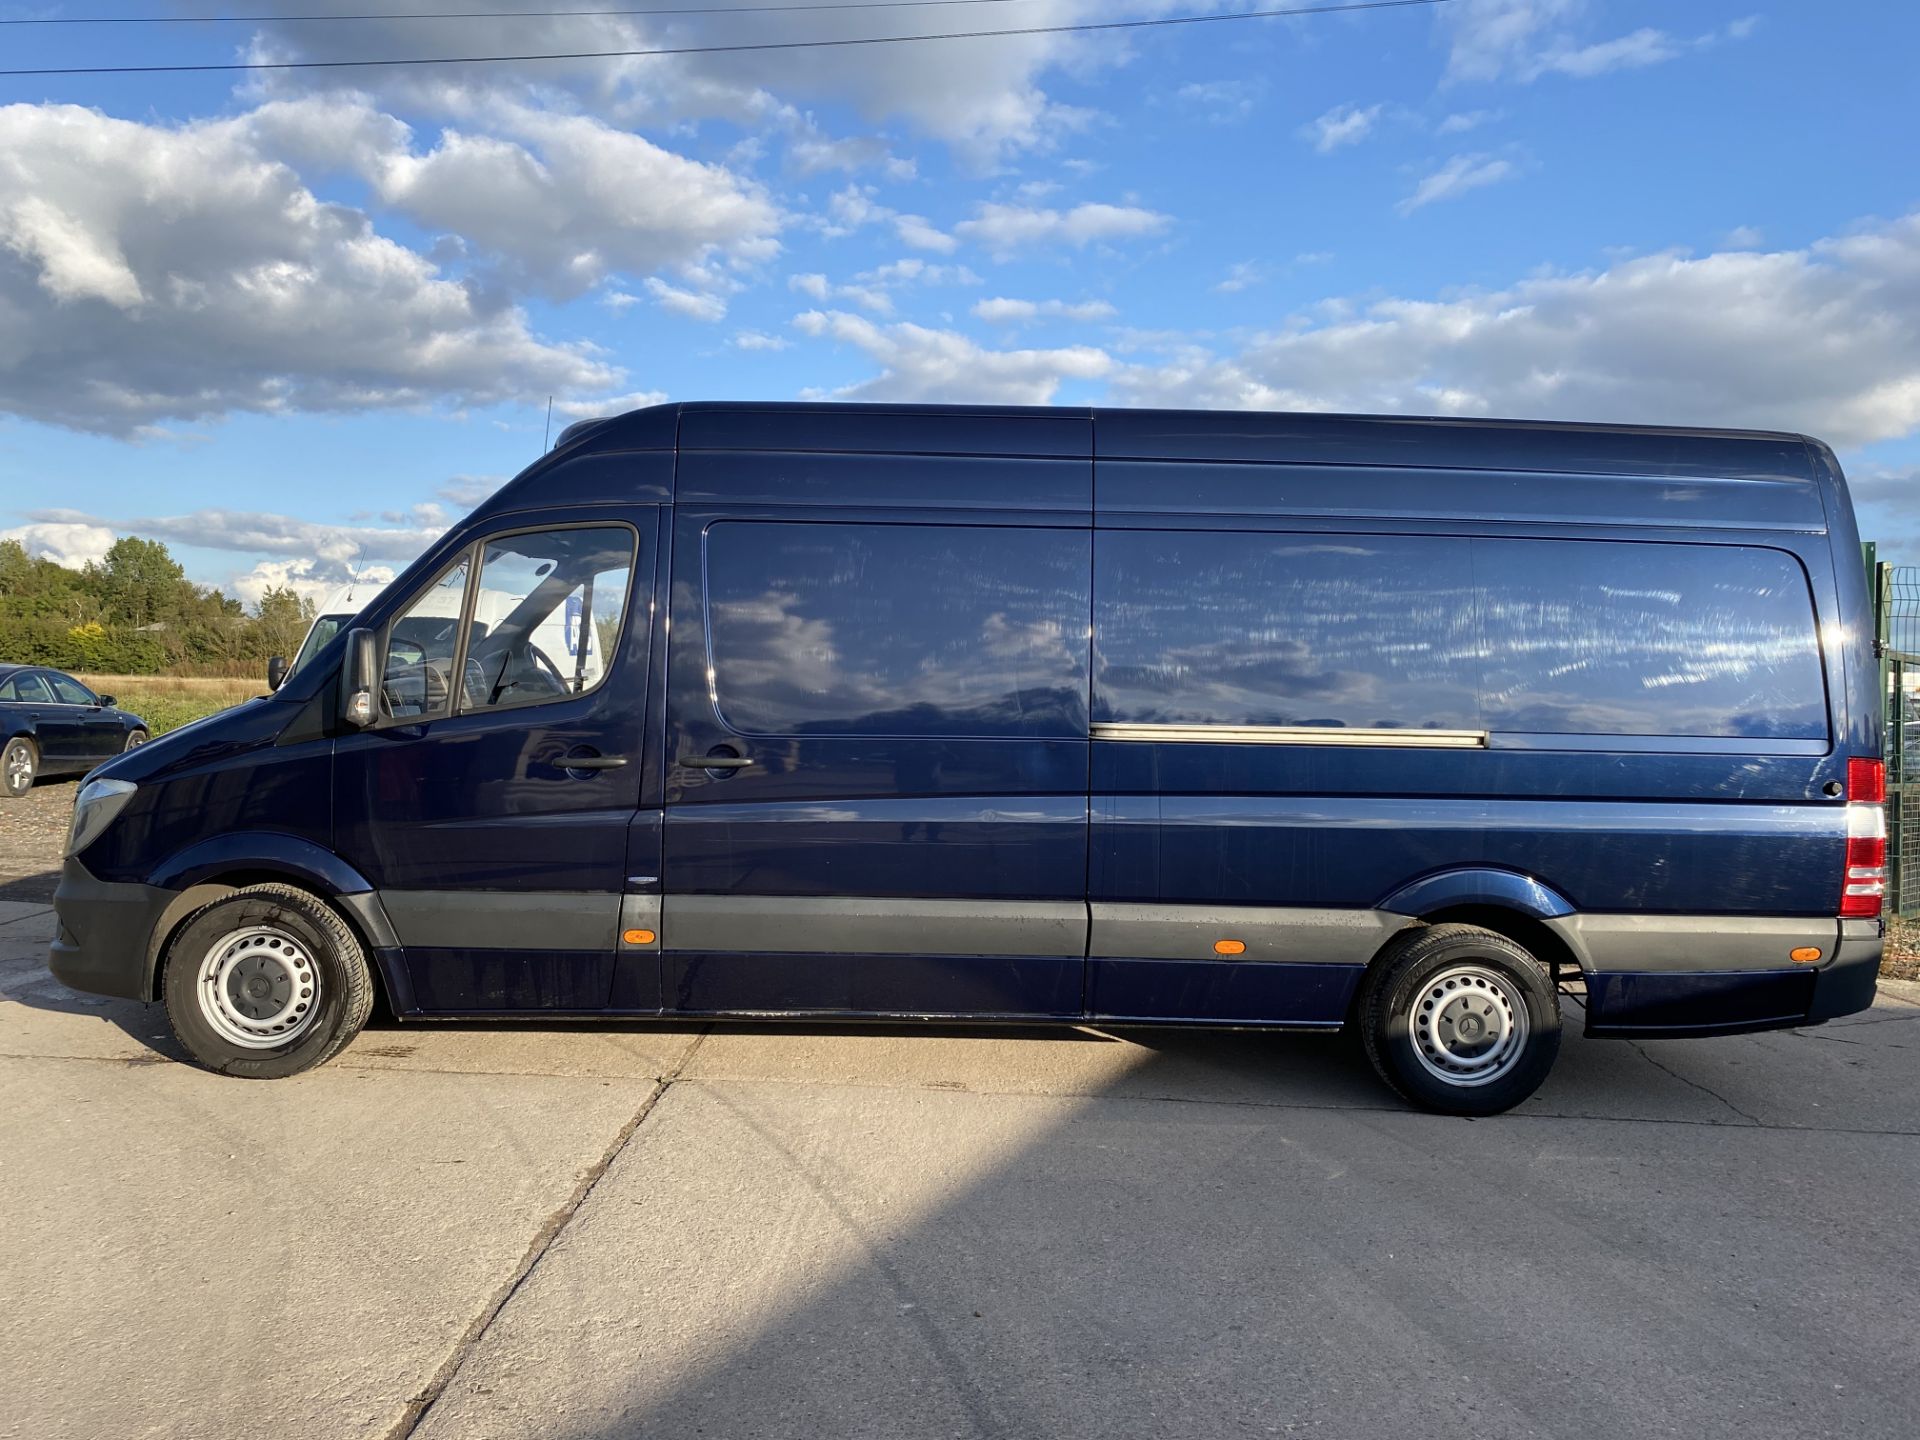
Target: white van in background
(333,617)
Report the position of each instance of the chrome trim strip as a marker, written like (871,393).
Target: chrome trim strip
(1293,735)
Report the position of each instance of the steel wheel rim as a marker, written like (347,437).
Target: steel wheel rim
(19,768)
(259,988)
(1469,1025)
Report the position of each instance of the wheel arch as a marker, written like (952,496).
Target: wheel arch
(216,869)
(1521,908)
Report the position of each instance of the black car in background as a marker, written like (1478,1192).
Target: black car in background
(51,724)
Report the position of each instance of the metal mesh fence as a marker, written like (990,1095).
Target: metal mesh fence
(1896,590)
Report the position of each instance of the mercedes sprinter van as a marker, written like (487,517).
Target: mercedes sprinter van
(1282,721)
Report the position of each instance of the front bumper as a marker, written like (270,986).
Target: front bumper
(105,942)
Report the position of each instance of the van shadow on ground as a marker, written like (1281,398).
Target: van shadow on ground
(1230,1234)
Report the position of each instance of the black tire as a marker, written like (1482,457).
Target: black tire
(1435,994)
(19,767)
(136,737)
(287,925)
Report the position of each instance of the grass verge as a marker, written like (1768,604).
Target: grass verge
(166,702)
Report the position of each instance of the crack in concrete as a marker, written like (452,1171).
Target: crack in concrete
(1843,1040)
(418,1408)
(1707,1090)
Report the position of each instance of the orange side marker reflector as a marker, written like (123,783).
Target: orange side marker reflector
(1229,947)
(1805,954)
(638,937)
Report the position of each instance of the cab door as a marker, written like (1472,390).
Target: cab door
(490,801)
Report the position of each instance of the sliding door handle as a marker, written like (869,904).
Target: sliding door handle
(593,762)
(714,762)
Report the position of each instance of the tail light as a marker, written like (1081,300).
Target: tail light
(1864,889)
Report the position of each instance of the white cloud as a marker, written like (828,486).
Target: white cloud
(72,543)
(1461,122)
(708,308)
(914,271)
(917,363)
(1643,47)
(1006,229)
(151,272)
(595,409)
(1744,237)
(1242,275)
(1455,178)
(1526,39)
(1021,312)
(922,234)
(874,289)
(1824,340)
(811,152)
(313,580)
(850,209)
(1491,38)
(755,340)
(986,99)
(1342,125)
(311,556)
(1223,101)
(557,201)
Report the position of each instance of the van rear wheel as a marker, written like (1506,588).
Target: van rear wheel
(267,982)
(1460,1020)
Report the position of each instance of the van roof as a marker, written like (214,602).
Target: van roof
(1193,462)
(1272,436)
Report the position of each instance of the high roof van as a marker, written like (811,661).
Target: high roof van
(1427,729)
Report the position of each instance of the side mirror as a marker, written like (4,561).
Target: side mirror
(276,672)
(106,702)
(358,678)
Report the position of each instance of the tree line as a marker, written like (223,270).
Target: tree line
(136,613)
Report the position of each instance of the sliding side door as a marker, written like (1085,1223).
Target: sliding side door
(877,748)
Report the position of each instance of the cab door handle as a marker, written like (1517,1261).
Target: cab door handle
(593,762)
(714,762)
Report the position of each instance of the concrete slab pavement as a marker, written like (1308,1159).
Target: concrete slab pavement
(857,1231)
(781,1259)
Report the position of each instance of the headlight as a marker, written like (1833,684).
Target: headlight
(94,808)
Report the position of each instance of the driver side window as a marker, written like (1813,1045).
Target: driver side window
(542,623)
(547,616)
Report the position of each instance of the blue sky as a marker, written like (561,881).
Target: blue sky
(299,321)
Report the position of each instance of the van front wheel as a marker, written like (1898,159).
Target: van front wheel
(1459,1019)
(268,981)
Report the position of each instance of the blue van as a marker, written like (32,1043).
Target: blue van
(1277,721)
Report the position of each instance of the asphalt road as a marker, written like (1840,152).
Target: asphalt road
(660,1231)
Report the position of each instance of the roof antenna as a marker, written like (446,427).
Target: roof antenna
(546,440)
